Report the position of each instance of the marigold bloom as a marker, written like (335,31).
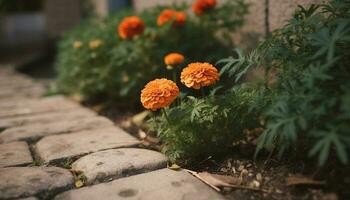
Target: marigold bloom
(77,44)
(95,43)
(197,75)
(200,6)
(174,59)
(130,27)
(159,93)
(178,18)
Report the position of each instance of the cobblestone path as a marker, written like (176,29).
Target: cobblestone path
(53,148)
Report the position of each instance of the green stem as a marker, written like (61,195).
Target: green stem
(165,115)
(174,76)
(202,93)
(175,80)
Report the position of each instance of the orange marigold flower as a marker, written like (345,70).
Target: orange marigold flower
(130,27)
(200,6)
(77,44)
(174,59)
(159,93)
(178,18)
(197,75)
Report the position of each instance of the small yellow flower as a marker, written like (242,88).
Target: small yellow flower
(95,43)
(77,44)
(125,78)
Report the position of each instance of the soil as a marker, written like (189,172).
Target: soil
(270,178)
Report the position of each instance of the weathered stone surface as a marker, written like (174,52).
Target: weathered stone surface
(116,163)
(6,70)
(17,182)
(63,146)
(33,132)
(57,103)
(15,79)
(281,10)
(14,154)
(77,113)
(13,102)
(253,29)
(36,91)
(29,198)
(17,84)
(160,184)
(140,5)
(27,90)
(25,102)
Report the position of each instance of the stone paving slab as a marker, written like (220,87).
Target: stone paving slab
(117,163)
(36,91)
(23,102)
(18,84)
(43,118)
(33,132)
(29,198)
(47,105)
(58,147)
(19,89)
(15,80)
(17,182)
(15,154)
(6,70)
(160,184)
(13,102)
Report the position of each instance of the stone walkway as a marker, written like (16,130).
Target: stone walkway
(53,148)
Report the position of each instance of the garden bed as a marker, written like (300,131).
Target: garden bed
(281,134)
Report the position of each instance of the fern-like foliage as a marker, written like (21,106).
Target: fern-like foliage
(307,106)
(202,127)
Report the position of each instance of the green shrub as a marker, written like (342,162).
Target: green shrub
(307,105)
(118,69)
(202,127)
(303,101)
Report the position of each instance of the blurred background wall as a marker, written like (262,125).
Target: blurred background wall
(31,27)
(265,15)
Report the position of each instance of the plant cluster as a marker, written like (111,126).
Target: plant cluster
(302,104)
(109,61)
(306,103)
(205,126)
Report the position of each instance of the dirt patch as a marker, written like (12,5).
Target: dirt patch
(268,175)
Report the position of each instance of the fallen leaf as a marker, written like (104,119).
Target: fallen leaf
(255,183)
(223,170)
(215,181)
(301,180)
(97,108)
(174,167)
(222,179)
(219,180)
(77,98)
(258,177)
(79,183)
(142,134)
(153,140)
(139,118)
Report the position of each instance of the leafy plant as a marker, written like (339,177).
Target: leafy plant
(202,127)
(306,106)
(117,70)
